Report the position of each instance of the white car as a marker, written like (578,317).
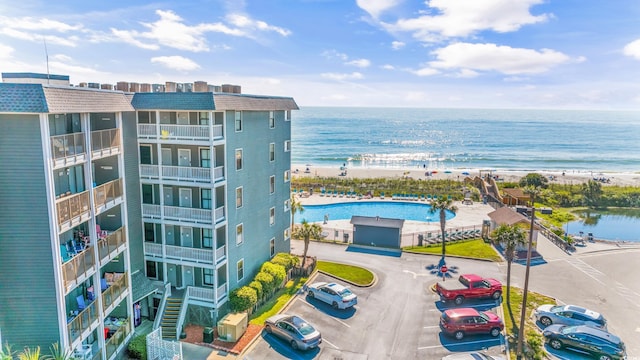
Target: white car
(569,315)
(333,294)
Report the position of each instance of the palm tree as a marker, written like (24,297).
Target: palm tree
(510,236)
(307,232)
(591,193)
(296,207)
(442,205)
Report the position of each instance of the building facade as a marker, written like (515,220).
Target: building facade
(116,206)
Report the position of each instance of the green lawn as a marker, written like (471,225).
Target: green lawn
(476,249)
(278,301)
(354,274)
(533,338)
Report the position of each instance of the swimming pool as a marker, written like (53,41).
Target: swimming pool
(384,209)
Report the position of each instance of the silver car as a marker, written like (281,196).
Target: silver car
(295,330)
(333,294)
(569,315)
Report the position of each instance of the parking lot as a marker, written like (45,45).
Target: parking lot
(393,320)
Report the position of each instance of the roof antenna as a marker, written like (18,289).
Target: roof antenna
(46,53)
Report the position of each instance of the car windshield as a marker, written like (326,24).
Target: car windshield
(306,329)
(345,292)
(556,308)
(568,330)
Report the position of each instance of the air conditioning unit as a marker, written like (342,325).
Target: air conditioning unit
(232,326)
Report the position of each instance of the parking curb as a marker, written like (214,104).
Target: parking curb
(372,283)
(454,256)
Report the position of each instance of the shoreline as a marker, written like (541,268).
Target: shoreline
(555,176)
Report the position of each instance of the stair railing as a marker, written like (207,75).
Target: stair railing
(163,304)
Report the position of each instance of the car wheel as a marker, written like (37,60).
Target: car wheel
(267,328)
(294,345)
(459,335)
(311,294)
(496,295)
(545,321)
(556,344)
(495,332)
(334,305)
(458,300)
(604,357)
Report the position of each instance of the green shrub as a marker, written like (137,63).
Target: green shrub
(243,298)
(137,348)
(277,271)
(257,286)
(287,260)
(267,282)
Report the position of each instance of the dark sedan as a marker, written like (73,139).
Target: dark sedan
(587,340)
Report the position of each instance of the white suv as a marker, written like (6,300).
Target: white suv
(333,294)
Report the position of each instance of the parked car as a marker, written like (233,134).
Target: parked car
(473,356)
(333,294)
(295,330)
(469,321)
(587,340)
(469,286)
(569,315)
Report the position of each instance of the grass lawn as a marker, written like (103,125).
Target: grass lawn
(354,274)
(533,338)
(476,249)
(278,301)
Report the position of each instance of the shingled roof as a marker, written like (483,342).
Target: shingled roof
(173,101)
(75,99)
(506,216)
(225,101)
(22,98)
(377,222)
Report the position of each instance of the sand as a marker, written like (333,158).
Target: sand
(569,177)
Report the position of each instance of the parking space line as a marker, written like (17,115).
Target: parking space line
(431,327)
(471,306)
(331,317)
(327,341)
(461,343)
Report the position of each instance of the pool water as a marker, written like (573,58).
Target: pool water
(384,209)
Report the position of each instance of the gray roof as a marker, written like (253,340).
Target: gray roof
(73,99)
(22,98)
(506,216)
(141,286)
(173,101)
(227,101)
(377,222)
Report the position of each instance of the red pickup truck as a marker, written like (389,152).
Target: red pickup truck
(469,286)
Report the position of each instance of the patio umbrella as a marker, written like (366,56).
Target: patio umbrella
(465,173)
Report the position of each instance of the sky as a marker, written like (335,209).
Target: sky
(540,54)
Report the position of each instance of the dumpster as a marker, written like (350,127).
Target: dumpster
(207,335)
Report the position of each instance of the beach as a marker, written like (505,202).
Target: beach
(558,177)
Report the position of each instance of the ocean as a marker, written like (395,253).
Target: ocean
(526,140)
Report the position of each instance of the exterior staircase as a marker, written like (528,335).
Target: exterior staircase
(170,318)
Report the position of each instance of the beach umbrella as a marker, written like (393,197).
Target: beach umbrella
(465,173)
(447,172)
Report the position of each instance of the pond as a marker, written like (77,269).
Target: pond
(384,209)
(616,224)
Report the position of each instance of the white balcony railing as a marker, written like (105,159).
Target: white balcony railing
(153,249)
(189,254)
(147,130)
(219,214)
(151,211)
(149,171)
(217,131)
(221,253)
(218,173)
(221,291)
(176,173)
(179,132)
(199,293)
(186,214)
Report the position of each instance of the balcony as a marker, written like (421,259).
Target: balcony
(221,253)
(105,143)
(221,291)
(67,150)
(107,195)
(78,269)
(183,214)
(117,339)
(201,294)
(181,254)
(168,132)
(115,293)
(110,246)
(73,210)
(176,173)
(81,325)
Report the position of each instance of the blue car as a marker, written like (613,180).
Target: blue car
(587,340)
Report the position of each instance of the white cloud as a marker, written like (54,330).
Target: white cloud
(35,37)
(342,77)
(5,51)
(30,23)
(361,63)
(376,7)
(466,73)
(427,71)
(491,57)
(60,57)
(388,67)
(397,45)
(462,18)
(176,62)
(334,54)
(633,49)
(128,37)
(245,22)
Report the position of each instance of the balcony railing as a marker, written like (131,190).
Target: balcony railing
(73,210)
(108,247)
(78,269)
(105,143)
(218,173)
(117,339)
(221,291)
(219,214)
(106,194)
(114,291)
(200,293)
(179,132)
(217,131)
(83,322)
(181,253)
(221,253)
(187,214)
(67,149)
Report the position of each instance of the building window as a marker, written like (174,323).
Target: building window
(272,184)
(239,197)
(207,238)
(239,234)
(288,117)
(238,121)
(272,246)
(272,120)
(205,198)
(287,146)
(287,234)
(149,233)
(287,205)
(239,159)
(272,216)
(287,176)
(207,277)
(151,269)
(205,157)
(240,267)
(203,118)
(272,152)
